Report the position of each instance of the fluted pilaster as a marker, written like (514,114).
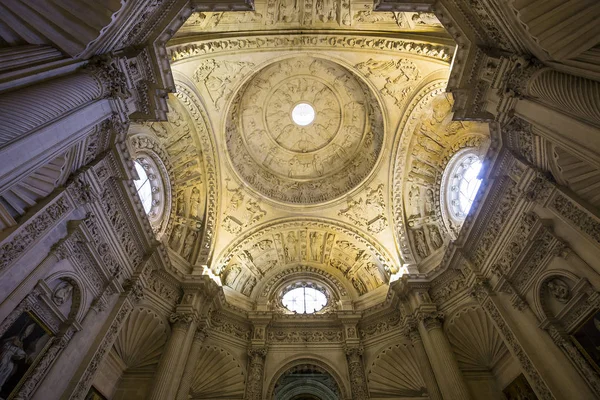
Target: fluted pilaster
(445,367)
(167,378)
(428,376)
(190,365)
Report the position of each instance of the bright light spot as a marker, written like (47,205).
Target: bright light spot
(303,114)
(304,300)
(467,187)
(143,187)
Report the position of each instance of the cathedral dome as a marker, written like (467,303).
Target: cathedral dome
(304,131)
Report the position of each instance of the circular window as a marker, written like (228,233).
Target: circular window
(463,184)
(143,187)
(303,114)
(150,188)
(304,299)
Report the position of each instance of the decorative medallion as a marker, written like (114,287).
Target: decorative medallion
(304,131)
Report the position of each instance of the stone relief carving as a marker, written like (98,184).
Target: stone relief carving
(219,77)
(62,293)
(307,164)
(369,213)
(395,78)
(301,336)
(242,211)
(298,41)
(304,243)
(559,289)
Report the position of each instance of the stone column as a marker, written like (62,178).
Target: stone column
(433,390)
(571,94)
(445,367)
(358,381)
(168,375)
(190,366)
(24,110)
(256,368)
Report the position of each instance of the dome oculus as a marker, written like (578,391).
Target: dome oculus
(303,114)
(304,131)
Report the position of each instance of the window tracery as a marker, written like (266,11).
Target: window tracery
(460,184)
(304,297)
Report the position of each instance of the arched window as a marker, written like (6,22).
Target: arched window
(304,299)
(460,184)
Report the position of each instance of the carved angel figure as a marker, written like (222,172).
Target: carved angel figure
(559,289)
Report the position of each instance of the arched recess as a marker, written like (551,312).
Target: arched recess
(349,254)
(395,373)
(128,370)
(307,363)
(204,139)
(77,297)
(218,375)
(426,140)
(480,351)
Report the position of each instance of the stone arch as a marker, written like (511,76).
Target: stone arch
(425,141)
(205,141)
(79,297)
(396,372)
(543,305)
(313,361)
(280,243)
(218,374)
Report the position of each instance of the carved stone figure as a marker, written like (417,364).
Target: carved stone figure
(429,202)
(194,203)
(248,286)
(435,236)
(189,244)
(176,236)
(559,290)
(421,244)
(62,293)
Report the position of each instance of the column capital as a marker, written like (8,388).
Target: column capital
(430,319)
(112,80)
(182,319)
(518,75)
(353,351)
(257,352)
(201,334)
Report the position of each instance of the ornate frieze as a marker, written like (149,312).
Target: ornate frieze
(294,335)
(370,212)
(381,325)
(576,216)
(221,323)
(28,233)
(309,41)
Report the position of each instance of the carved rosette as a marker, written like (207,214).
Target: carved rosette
(311,163)
(358,380)
(256,366)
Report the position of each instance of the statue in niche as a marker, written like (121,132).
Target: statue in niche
(194,203)
(315,239)
(359,285)
(421,245)
(327,10)
(180,203)
(288,11)
(189,244)
(231,274)
(413,201)
(559,290)
(290,248)
(435,236)
(62,293)
(374,272)
(429,202)
(249,286)
(176,236)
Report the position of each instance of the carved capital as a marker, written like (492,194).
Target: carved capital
(257,354)
(135,290)
(201,334)
(181,320)
(80,191)
(517,79)
(430,319)
(112,80)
